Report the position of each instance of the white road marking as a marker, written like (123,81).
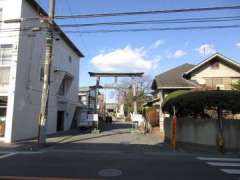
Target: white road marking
(223,164)
(231,171)
(7,155)
(219,159)
(21,152)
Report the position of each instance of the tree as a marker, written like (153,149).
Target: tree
(143,85)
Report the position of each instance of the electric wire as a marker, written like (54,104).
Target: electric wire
(167,11)
(169,21)
(154,29)
(150,12)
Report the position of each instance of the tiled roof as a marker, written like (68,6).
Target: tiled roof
(174,78)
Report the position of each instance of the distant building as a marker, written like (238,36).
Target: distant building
(90,102)
(83,95)
(21,68)
(215,72)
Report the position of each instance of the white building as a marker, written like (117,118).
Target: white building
(21,67)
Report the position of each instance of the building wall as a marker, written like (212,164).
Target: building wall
(27,96)
(10,37)
(213,77)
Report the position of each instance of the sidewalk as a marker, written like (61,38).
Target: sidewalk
(32,144)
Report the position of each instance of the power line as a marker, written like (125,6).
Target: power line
(167,11)
(80,36)
(189,20)
(150,12)
(155,29)
(167,21)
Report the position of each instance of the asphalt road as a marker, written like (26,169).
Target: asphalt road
(96,157)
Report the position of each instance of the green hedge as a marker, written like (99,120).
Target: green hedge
(194,102)
(174,95)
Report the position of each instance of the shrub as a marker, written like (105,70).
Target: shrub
(173,95)
(195,102)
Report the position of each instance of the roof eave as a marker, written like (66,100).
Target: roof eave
(210,58)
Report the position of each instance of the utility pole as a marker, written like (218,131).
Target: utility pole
(47,70)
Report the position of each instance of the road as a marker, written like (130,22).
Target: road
(117,153)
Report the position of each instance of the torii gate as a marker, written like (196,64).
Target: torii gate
(98,75)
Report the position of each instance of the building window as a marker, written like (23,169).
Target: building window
(5,54)
(3,113)
(70,59)
(3,107)
(42,73)
(5,74)
(61,91)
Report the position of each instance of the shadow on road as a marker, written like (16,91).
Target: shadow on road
(123,147)
(95,137)
(115,125)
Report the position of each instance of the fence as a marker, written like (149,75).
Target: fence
(204,132)
(152,116)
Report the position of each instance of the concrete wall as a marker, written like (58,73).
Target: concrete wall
(204,131)
(26,92)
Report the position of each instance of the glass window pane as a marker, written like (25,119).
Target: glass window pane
(5,54)
(4,75)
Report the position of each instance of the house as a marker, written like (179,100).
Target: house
(91,102)
(83,108)
(22,53)
(215,72)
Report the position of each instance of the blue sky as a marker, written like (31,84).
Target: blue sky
(151,52)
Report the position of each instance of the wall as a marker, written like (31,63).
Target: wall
(28,89)
(223,75)
(204,131)
(10,37)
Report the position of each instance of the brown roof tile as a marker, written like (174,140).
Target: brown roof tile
(174,78)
